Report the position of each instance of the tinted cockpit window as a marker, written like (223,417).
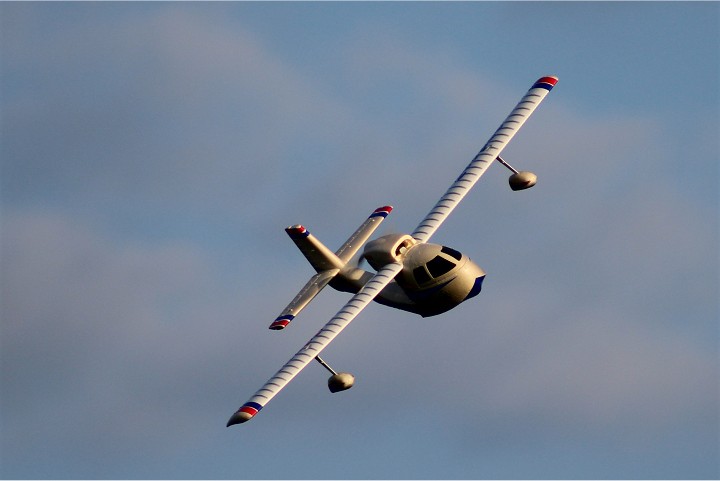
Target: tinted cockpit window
(451,252)
(439,266)
(421,275)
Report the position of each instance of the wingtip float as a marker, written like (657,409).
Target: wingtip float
(412,275)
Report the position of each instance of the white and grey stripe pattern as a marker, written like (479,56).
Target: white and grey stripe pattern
(481,162)
(313,348)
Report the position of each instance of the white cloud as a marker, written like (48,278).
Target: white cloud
(96,333)
(577,331)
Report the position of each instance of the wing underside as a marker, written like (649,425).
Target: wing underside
(313,348)
(483,159)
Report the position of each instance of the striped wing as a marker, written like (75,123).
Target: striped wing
(315,345)
(484,158)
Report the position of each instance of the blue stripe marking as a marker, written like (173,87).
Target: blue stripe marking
(381,211)
(253,405)
(298,235)
(477,287)
(543,85)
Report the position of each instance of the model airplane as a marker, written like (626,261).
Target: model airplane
(411,275)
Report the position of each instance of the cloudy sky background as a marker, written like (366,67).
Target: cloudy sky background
(153,153)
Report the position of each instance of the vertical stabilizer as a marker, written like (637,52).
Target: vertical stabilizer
(320,257)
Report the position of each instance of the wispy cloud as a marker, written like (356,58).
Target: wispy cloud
(150,162)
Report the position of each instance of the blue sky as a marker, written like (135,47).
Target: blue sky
(151,155)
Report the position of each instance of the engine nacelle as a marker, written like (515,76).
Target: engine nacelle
(387,249)
(522,180)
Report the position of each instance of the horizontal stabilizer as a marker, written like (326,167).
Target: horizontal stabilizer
(306,294)
(319,256)
(363,233)
(324,261)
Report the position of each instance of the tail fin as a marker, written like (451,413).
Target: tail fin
(319,256)
(322,258)
(324,261)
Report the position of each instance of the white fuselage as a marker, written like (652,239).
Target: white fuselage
(434,278)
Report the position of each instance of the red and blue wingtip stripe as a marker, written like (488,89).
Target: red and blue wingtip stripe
(546,83)
(251,408)
(382,211)
(281,322)
(245,413)
(297,231)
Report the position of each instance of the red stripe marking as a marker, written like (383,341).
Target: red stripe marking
(548,80)
(249,410)
(297,231)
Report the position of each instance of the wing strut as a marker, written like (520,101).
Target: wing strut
(325,365)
